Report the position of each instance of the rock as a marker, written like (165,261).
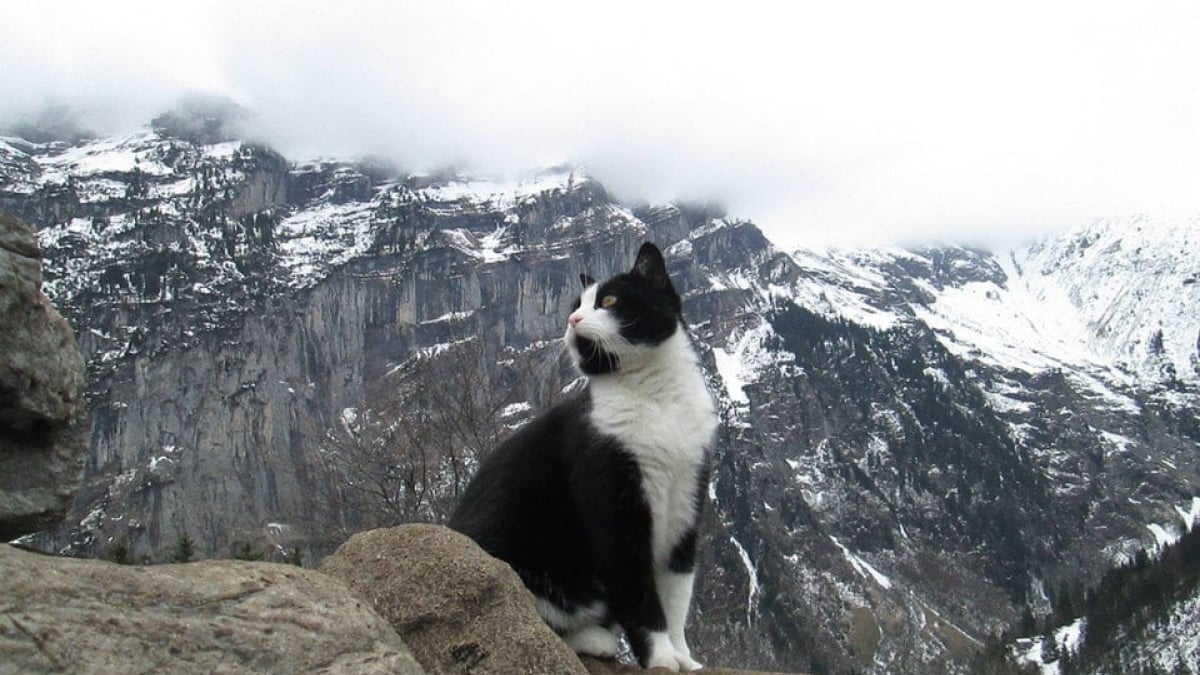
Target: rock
(42,444)
(213,616)
(459,609)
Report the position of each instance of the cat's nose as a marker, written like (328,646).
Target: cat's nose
(574,320)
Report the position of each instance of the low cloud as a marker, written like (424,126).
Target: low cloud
(856,123)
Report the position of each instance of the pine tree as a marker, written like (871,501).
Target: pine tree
(185,549)
(1028,625)
(244,551)
(119,552)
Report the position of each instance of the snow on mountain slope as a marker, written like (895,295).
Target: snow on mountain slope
(1112,304)
(495,195)
(1134,287)
(315,240)
(1004,324)
(849,285)
(1170,644)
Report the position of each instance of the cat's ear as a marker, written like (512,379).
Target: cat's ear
(651,267)
(586,280)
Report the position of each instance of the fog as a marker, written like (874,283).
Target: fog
(827,123)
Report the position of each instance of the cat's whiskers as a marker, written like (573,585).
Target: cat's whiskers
(606,342)
(600,349)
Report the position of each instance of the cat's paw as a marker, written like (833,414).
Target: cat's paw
(594,641)
(682,654)
(686,662)
(662,653)
(674,661)
(665,661)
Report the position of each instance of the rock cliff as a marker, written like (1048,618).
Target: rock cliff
(42,439)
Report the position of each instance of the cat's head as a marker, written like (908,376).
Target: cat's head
(617,323)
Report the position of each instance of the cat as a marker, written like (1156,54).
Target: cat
(596,502)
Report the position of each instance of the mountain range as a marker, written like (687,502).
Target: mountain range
(918,445)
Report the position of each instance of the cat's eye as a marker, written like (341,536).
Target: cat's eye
(608,301)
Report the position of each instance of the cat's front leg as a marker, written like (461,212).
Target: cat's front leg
(675,590)
(634,602)
(653,610)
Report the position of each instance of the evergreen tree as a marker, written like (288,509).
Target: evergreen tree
(1028,626)
(185,549)
(244,551)
(119,552)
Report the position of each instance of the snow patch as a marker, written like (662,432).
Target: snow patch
(1118,443)
(348,418)
(492,247)
(743,359)
(1164,536)
(315,241)
(449,317)
(864,569)
(513,409)
(502,195)
(1069,638)
(440,348)
(489,248)
(733,374)
(160,462)
(1005,404)
(752,574)
(106,155)
(1190,515)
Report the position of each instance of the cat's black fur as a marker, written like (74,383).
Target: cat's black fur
(565,503)
(561,504)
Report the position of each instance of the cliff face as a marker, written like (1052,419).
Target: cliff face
(916,444)
(42,448)
(259,384)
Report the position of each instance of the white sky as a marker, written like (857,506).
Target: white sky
(826,122)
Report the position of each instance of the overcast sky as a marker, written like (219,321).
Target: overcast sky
(826,122)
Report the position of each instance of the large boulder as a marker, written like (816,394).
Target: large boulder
(459,609)
(64,614)
(42,444)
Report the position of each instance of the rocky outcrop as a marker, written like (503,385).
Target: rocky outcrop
(42,448)
(65,614)
(459,609)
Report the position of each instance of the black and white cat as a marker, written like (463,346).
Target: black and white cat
(596,502)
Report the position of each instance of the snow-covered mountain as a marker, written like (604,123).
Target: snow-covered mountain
(918,443)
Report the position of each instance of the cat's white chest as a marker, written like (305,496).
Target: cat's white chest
(667,421)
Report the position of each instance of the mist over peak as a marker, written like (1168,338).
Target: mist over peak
(54,121)
(203,119)
(856,124)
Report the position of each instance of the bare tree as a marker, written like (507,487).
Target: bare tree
(408,451)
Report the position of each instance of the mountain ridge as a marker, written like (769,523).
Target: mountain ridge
(912,452)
